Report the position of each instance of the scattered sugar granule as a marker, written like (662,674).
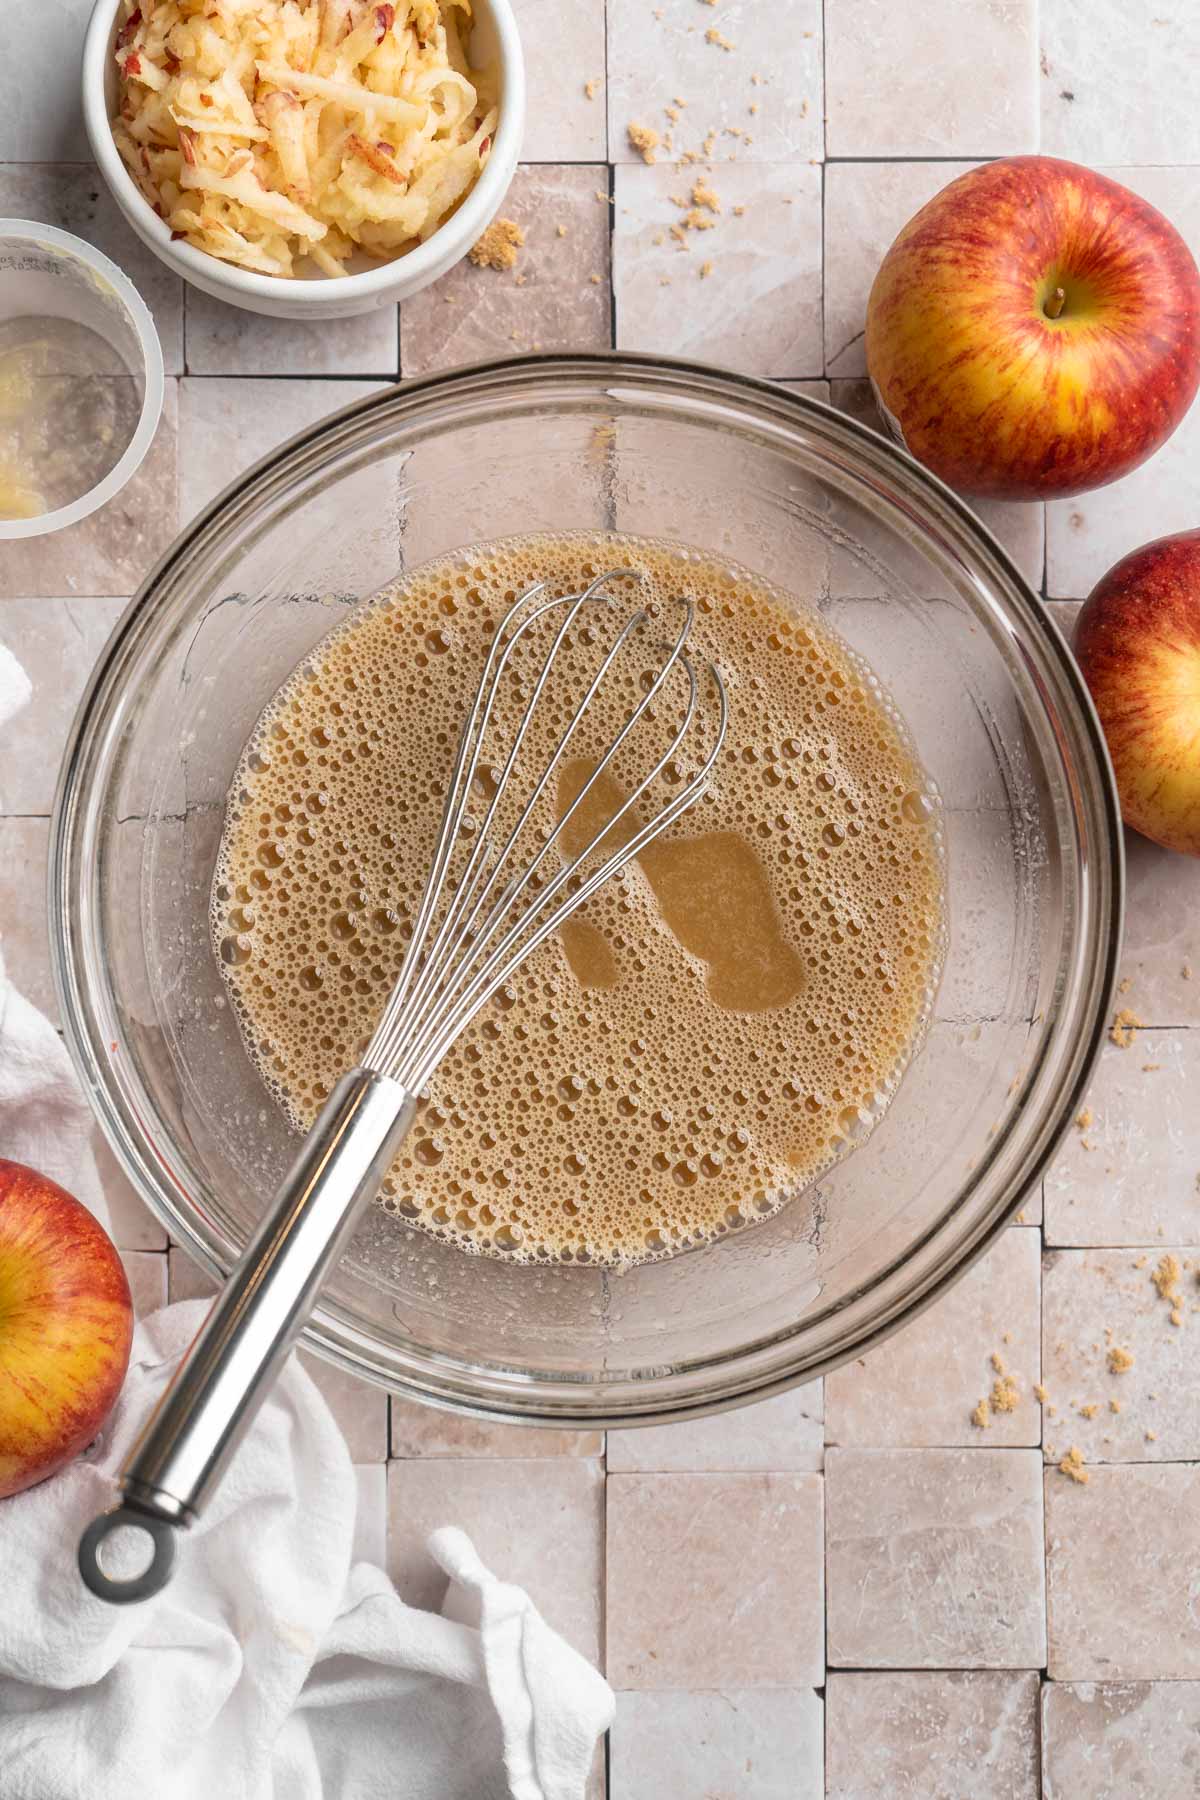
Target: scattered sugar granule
(755,79)
(709,144)
(1125,1028)
(519,280)
(664,281)
(1114,1406)
(595,280)
(561,230)
(1040,1393)
(1006,1395)
(589,88)
(997,1362)
(703,195)
(1166,1278)
(1150,1068)
(1089,1411)
(644,139)
(706,269)
(672,113)
(1141,1262)
(679,100)
(1152,1437)
(1006,1338)
(1085,1118)
(754,106)
(713,36)
(1124,985)
(1120,1361)
(695,220)
(1186,971)
(497,248)
(1072,1466)
(1176,1316)
(738,211)
(678,233)
(982,1416)
(607,198)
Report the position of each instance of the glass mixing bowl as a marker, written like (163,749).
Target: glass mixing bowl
(847,524)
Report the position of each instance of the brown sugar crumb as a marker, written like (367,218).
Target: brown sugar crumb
(1150,1068)
(1114,1406)
(1152,1437)
(1041,1394)
(678,233)
(1176,1316)
(1186,971)
(982,1416)
(1006,1395)
(703,195)
(706,269)
(997,1362)
(589,88)
(1072,1466)
(595,280)
(1085,1118)
(695,220)
(1089,1411)
(754,106)
(1166,1278)
(1124,985)
(738,211)
(560,230)
(644,139)
(672,113)
(1120,1361)
(1141,1262)
(497,248)
(1124,1028)
(713,36)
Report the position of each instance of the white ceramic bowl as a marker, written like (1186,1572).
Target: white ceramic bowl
(318,296)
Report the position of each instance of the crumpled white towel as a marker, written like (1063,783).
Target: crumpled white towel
(270,1668)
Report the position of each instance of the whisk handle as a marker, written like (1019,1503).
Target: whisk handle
(233,1360)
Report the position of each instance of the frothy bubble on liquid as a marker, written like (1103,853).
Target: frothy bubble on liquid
(605,1124)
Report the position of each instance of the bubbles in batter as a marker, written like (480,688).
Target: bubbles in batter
(709,1032)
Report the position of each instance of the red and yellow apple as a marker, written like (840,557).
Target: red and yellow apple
(1137,641)
(1034,331)
(66,1325)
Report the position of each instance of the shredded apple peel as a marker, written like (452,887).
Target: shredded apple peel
(267,132)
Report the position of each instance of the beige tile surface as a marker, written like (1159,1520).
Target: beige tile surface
(1162,933)
(934,1736)
(76,198)
(186,1280)
(110,550)
(934,1559)
(56,642)
(23,932)
(547,302)
(562,123)
(134,1226)
(1020,529)
(539,1524)
(419,1430)
(146,1271)
(225,425)
(976,95)
(360,1408)
(714,1581)
(1120,1740)
(866,205)
(1086,535)
(921,1387)
(758,310)
(1122,1588)
(1091,108)
(1137,1183)
(764,1743)
(40,115)
(1095,1301)
(783,1433)
(225,340)
(662,54)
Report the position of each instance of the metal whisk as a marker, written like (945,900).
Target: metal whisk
(496,890)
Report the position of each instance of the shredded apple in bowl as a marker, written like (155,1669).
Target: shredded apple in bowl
(269,131)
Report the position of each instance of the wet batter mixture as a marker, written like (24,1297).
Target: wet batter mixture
(711,1030)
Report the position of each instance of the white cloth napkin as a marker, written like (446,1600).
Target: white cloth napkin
(271,1668)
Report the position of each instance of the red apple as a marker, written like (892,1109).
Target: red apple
(1034,331)
(66,1324)
(1137,641)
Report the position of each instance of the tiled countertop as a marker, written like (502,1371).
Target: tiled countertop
(846,1593)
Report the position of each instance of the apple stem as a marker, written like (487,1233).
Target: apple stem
(1055,303)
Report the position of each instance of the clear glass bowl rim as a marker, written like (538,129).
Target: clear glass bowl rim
(761,1369)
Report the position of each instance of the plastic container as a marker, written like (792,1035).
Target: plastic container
(48,275)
